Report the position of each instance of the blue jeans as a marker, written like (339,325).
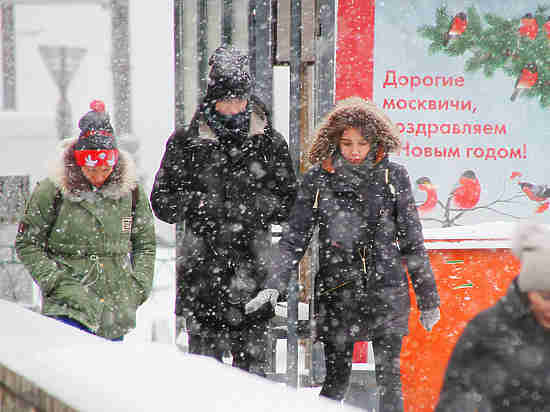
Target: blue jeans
(72,322)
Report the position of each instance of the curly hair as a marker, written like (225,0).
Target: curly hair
(356,113)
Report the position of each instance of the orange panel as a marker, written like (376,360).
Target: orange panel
(468,281)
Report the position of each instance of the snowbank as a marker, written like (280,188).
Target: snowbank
(491,235)
(91,374)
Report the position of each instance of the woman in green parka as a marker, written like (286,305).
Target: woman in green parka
(87,236)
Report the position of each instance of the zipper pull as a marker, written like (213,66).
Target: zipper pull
(364,259)
(316,202)
(392,188)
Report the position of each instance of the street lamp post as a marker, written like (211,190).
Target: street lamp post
(62,63)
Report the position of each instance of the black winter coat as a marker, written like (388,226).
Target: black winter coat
(361,289)
(227,200)
(501,361)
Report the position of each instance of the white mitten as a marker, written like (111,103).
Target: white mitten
(263,296)
(429,318)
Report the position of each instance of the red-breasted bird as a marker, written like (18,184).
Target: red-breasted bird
(527,79)
(536,193)
(467,192)
(425,184)
(456,28)
(543,207)
(546,27)
(528,26)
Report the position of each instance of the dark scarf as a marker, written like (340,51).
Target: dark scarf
(231,130)
(355,174)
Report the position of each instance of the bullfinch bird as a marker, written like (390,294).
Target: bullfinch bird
(425,184)
(457,27)
(466,194)
(528,26)
(547,27)
(527,79)
(537,193)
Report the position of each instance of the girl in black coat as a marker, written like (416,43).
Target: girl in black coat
(368,225)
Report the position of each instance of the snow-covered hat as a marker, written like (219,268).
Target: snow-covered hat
(531,244)
(229,74)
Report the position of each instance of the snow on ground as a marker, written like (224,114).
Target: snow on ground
(92,374)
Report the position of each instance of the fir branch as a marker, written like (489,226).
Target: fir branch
(494,43)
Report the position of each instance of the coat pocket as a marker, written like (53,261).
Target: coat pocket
(74,295)
(331,279)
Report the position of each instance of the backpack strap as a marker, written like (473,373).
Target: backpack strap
(55,206)
(135,197)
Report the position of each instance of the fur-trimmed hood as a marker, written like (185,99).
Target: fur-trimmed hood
(359,113)
(68,176)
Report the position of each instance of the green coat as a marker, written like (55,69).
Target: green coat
(84,270)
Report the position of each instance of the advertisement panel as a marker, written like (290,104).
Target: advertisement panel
(468,84)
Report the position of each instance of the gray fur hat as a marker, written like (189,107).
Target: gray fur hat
(531,244)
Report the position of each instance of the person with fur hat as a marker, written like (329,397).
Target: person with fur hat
(502,359)
(87,236)
(227,178)
(363,206)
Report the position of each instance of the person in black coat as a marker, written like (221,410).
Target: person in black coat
(227,177)
(368,224)
(501,361)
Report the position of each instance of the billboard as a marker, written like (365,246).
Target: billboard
(468,84)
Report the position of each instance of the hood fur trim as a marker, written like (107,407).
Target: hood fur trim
(354,112)
(68,176)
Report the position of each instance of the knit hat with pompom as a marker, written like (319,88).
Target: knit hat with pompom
(96,144)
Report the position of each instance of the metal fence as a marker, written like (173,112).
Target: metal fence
(16,285)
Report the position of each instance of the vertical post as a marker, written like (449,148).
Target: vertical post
(179,66)
(120,66)
(202,48)
(260,49)
(179,96)
(62,63)
(8,56)
(252,36)
(294,144)
(325,50)
(227,21)
(64,122)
